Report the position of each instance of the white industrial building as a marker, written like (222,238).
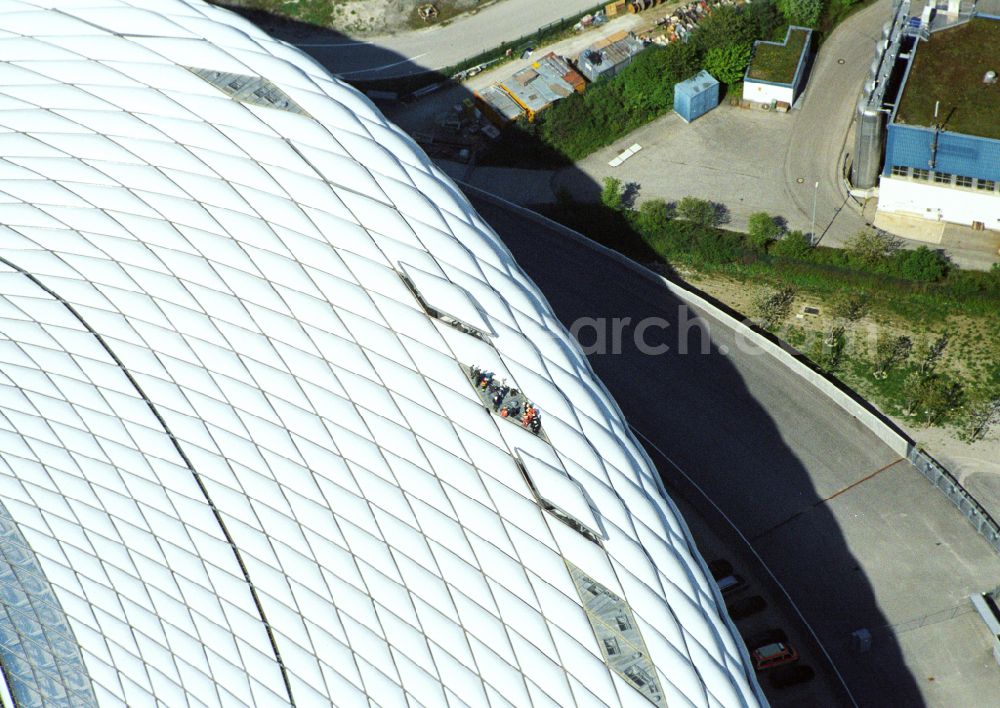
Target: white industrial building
(249,454)
(946,167)
(763,85)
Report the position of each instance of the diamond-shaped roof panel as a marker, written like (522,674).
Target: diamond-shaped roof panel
(243,447)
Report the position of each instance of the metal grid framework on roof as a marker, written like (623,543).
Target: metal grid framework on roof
(39,654)
(245,458)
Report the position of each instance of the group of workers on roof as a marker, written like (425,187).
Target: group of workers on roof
(506,401)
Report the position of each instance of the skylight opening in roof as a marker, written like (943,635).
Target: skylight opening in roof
(255,90)
(443,300)
(561,496)
(505,400)
(618,636)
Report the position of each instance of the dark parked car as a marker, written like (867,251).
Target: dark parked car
(720,568)
(770,636)
(785,676)
(742,608)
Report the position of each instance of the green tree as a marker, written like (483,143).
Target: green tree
(802,12)
(914,390)
(611,193)
(761,230)
(829,351)
(795,244)
(941,396)
(726,26)
(764,18)
(698,211)
(890,351)
(852,306)
(934,354)
(729,63)
(983,413)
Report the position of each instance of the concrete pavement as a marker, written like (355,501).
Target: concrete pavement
(439,46)
(858,537)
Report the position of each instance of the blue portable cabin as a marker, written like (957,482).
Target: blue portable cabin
(696,96)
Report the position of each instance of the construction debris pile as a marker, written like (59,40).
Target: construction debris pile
(682,21)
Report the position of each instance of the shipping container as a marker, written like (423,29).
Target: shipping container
(696,96)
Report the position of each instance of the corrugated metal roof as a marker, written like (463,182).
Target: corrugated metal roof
(501,103)
(541,84)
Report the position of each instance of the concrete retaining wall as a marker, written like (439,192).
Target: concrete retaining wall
(852,404)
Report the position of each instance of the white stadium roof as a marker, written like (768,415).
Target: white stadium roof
(246,456)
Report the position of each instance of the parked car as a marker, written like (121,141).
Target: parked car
(771,655)
(720,568)
(744,607)
(785,676)
(769,636)
(731,583)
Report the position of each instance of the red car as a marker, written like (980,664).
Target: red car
(774,654)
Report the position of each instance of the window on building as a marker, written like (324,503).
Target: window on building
(611,646)
(921,174)
(900,171)
(986,185)
(942,178)
(962,181)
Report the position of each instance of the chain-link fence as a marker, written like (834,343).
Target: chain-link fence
(420,83)
(518,46)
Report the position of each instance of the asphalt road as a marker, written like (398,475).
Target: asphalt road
(857,536)
(819,131)
(439,46)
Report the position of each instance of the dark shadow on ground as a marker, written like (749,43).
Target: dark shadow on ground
(697,408)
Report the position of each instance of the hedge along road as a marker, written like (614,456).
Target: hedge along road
(857,536)
(439,46)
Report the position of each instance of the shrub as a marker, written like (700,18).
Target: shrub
(761,230)
(794,245)
(728,63)
(679,238)
(652,218)
(922,265)
(612,193)
(717,247)
(871,247)
(771,307)
(801,12)
(697,211)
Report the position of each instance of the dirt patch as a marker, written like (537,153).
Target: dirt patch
(364,18)
(971,357)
